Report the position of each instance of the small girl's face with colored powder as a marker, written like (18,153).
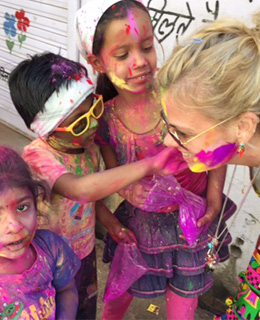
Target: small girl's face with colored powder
(210,149)
(17,222)
(128,54)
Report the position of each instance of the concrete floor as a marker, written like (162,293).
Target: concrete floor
(138,309)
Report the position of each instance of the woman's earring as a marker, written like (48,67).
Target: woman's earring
(241,149)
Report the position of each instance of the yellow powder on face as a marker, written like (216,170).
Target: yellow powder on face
(120,83)
(164,107)
(199,167)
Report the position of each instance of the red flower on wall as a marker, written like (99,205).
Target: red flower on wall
(22,22)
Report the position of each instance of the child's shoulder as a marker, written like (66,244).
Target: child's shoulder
(46,238)
(37,145)
(51,243)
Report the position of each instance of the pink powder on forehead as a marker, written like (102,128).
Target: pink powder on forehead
(137,31)
(133,24)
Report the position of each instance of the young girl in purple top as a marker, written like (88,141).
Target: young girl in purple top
(37,268)
(117,39)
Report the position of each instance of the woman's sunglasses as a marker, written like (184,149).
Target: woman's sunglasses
(175,136)
(81,125)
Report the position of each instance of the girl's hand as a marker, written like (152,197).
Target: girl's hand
(165,161)
(136,193)
(121,234)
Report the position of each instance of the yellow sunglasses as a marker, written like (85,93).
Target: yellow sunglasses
(81,125)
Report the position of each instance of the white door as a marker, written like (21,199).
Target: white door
(28,27)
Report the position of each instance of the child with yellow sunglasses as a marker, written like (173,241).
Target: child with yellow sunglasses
(54,96)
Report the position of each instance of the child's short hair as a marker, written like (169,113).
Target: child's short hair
(15,173)
(33,81)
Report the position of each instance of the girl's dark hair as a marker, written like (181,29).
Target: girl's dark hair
(15,173)
(33,81)
(117,11)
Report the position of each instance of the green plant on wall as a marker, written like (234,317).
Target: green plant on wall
(15,25)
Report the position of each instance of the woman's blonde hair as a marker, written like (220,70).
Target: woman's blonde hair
(218,70)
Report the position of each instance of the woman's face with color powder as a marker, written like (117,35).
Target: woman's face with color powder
(17,222)
(128,53)
(212,149)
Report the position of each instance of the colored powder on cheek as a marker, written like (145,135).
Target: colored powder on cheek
(130,72)
(93,124)
(120,83)
(216,158)
(133,24)
(3,255)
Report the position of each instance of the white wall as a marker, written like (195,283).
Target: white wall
(50,29)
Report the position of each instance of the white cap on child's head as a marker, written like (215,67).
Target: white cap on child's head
(87,18)
(61,104)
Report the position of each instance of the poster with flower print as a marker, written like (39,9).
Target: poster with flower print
(15,27)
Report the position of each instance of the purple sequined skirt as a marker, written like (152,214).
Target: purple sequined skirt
(172,262)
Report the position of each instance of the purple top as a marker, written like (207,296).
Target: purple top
(31,294)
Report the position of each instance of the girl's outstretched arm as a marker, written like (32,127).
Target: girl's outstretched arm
(99,185)
(67,302)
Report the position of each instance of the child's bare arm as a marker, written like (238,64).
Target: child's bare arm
(216,181)
(133,193)
(109,157)
(117,231)
(67,302)
(99,185)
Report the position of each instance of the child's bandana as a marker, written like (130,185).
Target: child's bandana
(60,105)
(87,18)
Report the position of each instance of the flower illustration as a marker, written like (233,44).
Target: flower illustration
(9,25)
(14,23)
(23,22)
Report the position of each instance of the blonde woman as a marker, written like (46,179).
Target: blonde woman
(211,104)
